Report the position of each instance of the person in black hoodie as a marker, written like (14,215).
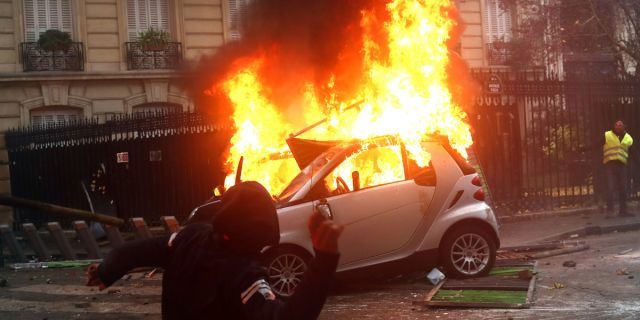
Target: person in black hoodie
(213,270)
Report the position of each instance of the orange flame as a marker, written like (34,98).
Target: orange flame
(402,92)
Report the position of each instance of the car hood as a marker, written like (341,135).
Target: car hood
(305,151)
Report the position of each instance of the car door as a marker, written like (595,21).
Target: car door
(381,217)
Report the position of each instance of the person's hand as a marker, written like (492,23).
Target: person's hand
(324,233)
(92,277)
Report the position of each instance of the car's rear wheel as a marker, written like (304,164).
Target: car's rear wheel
(468,252)
(285,269)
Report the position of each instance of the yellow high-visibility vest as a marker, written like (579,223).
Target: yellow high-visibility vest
(615,149)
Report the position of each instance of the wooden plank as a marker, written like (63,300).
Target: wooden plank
(532,285)
(513,263)
(488,283)
(566,250)
(9,240)
(473,285)
(87,240)
(36,242)
(453,304)
(61,241)
(431,293)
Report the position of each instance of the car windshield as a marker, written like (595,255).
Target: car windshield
(307,173)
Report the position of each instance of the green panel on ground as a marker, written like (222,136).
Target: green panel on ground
(484,296)
(507,271)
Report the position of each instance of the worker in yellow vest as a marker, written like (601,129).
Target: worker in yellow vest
(615,157)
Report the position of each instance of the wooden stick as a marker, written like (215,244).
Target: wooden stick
(293,135)
(59,210)
(558,252)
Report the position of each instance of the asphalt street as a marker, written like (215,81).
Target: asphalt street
(604,285)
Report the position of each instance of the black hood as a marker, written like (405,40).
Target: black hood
(248,218)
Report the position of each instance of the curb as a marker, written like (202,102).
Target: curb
(592,230)
(547,214)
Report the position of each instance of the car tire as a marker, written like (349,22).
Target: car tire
(468,252)
(285,269)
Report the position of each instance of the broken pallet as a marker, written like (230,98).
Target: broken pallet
(501,291)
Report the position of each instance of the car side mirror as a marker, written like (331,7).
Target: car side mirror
(325,210)
(355,177)
(218,191)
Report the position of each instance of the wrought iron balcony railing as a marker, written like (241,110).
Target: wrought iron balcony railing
(140,57)
(35,58)
(499,53)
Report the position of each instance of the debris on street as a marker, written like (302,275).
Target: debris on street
(622,272)
(435,276)
(506,286)
(621,253)
(569,264)
(53,264)
(558,285)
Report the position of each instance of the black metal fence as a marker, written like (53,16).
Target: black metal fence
(35,58)
(141,165)
(166,56)
(537,138)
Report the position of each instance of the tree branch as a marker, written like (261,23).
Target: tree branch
(614,42)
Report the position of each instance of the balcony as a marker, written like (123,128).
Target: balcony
(36,59)
(166,57)
(499,53)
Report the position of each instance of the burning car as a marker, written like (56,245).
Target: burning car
(398,216)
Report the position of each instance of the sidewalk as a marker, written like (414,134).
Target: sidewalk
(553,227)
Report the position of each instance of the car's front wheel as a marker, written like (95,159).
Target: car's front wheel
(468,252)
(285,269)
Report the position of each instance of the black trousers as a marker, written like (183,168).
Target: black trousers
(616,172)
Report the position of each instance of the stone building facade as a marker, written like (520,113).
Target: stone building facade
(105,74)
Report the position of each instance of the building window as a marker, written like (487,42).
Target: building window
(145,14)
(498,32)
(54,116)
(157,108)
(237,9)
(42,15)
(497,22)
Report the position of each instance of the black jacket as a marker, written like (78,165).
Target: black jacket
(213,271)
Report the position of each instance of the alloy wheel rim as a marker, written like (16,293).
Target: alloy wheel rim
(285,273)
(470,254)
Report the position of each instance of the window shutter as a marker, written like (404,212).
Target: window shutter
(48,117)
(497,22)
(142,14)
(159,14)
(42,15)
(237,10)
(65,16)
(30,23)
(133,18)
(54,14)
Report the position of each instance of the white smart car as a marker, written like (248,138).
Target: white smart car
(397,217)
